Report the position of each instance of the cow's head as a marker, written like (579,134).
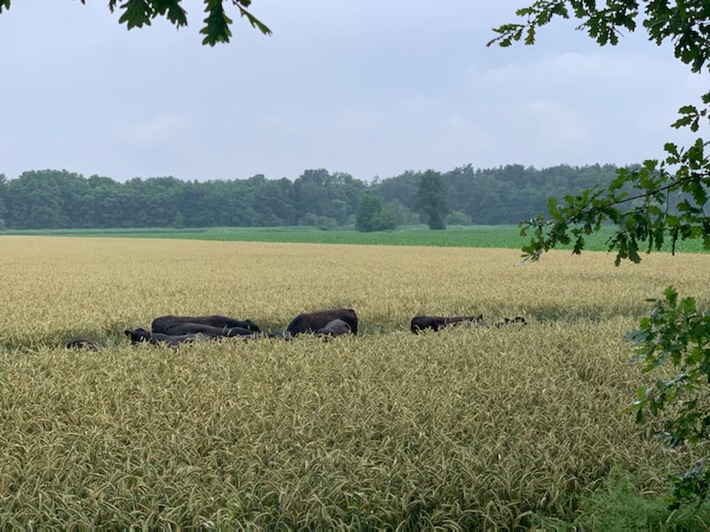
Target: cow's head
(139,335)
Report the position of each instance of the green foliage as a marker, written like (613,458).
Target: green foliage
(3,194)
(676,333)
(650,220)
(684,24)
(178,222)
(683,171)
(374,215)
(51,199)
(217,23)
(503,195)
(403,215)
(621,504)
(216,29)
(61,200)
(458,218)
(369,205)
(691,115)
(321,222)
(385,219)
(432,199)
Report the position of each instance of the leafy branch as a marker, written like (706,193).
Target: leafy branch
(691,115)
(216,29)
(685,24)
(677,333)
(649,221)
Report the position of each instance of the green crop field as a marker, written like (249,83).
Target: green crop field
(482,236)
(466,428)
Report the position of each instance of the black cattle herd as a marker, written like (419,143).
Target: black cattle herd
(176,330)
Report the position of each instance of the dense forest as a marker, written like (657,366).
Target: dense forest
(54,199)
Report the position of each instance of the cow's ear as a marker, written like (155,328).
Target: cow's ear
(127,332)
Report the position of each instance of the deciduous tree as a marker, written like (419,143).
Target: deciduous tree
(432,199)
(373,215)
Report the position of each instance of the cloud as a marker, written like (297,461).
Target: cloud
(162,128)
(365,87)
(579,108)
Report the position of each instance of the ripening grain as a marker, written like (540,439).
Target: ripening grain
(466,428)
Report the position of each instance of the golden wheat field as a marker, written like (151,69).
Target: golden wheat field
(464,428)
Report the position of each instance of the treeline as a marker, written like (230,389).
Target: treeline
(54,199)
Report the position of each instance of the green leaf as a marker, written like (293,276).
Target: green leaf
(552,207)
(688,305)
(253,20)
(688,109)
(216,28)
(136,14)
(671,295)
(172,10)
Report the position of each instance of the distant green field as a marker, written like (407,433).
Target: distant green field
(480,236)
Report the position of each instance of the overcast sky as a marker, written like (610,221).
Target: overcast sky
(367,87)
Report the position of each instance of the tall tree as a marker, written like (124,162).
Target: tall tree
(676,332)
(373,215)
(432,199)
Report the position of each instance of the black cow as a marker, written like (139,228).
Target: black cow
(511,321)
(171,340)
(309,322)
(82,343)
(208,330)
(436,323)
(168,324)
(334,328)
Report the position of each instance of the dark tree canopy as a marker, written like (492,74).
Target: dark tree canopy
(431,194)
(373,215)
(58,199)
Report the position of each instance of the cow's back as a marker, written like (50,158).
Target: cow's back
(170,324)
(309,322)
(334,328)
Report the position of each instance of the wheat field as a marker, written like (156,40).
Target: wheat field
(465,428)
